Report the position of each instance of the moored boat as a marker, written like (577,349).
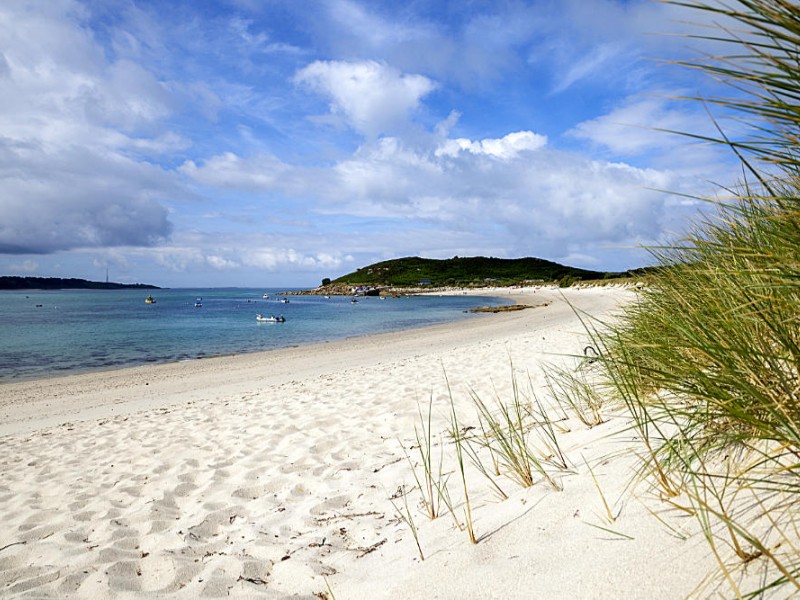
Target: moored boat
(149,300)
(271,319)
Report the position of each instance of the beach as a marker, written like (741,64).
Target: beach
(282,474)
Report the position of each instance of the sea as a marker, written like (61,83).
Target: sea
(48,333)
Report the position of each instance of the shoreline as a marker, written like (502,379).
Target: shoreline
(40,392)
(43,375)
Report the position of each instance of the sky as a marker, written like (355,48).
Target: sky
(268,143)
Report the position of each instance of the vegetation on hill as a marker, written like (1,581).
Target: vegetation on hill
(707,362)
(465,271)
(57,283)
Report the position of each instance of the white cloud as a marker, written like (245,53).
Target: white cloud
(373,98)
(72,122)
(633,127)
(231,171)
(220,263)
(77,199)
(272,259)
(506,148)
(537,200)
(639,128)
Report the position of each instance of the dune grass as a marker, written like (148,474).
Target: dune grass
(405,516)
(459,440)
(707,362)
(515,435)
(432,482)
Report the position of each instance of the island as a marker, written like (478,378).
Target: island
(57,283)
(414,274)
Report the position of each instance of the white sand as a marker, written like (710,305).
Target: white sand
(268,474)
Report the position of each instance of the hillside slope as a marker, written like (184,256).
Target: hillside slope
(458,271)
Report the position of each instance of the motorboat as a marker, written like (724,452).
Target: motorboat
(198,303)
(271,319)
(149,300)
(285,300)
(265,296)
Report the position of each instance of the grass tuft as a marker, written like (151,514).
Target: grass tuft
(507,431)
(406,517)
(459,441)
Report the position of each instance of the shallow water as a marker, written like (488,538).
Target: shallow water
(47,332)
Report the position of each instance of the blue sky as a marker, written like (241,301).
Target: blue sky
(276,142)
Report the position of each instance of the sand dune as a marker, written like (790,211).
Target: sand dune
(273,475)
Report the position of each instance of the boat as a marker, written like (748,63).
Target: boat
(354,300)
(149,300)
(271,319)
(265,296)
(285,300)
(198,303)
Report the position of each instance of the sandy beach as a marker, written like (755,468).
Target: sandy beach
(280,475)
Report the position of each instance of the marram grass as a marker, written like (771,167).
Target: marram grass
(707,361)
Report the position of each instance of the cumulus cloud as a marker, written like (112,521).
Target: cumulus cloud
(69,200)
(513,191)
(231,171)
(248,253)
(546,198)
(507,147)
(221,263)
(273,258)
(73,123)
(372,97)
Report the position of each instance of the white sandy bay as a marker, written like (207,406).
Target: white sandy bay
(269,475)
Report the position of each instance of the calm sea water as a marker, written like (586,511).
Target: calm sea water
(46,333)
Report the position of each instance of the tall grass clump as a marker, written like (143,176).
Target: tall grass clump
(432,482)
(520,437)
(707,361)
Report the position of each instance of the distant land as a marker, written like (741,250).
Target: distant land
(414,272)
(57,283)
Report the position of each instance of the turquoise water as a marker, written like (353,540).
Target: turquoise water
(43,333)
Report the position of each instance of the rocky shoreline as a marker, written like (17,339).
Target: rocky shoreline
(350,290)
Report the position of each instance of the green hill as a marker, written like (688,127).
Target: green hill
(467,271)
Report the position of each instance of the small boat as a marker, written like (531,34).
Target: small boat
(271,319)
(354,300)
(285,300)
(149,300)
(265,296)
(198,303)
